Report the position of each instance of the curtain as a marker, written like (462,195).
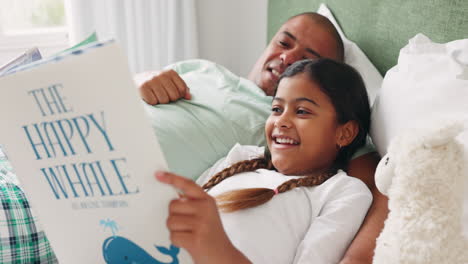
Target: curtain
(153,33)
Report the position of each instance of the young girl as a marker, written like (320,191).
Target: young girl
(292,203)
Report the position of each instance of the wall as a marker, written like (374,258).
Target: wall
(232,33)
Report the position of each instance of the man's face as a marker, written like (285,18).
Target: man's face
(299,38)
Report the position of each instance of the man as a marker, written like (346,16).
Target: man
(307,35)
(228,109)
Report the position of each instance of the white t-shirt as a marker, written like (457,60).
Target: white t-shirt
(303,225)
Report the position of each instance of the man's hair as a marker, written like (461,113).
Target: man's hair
(329,27)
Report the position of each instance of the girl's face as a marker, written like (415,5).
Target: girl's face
(302,131)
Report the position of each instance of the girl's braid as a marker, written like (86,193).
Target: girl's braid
(232,201)
(239,167)
(308,181)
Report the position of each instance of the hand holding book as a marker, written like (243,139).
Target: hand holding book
(195,225)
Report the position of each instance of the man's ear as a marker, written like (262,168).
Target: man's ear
(346,133)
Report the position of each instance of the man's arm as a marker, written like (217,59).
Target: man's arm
(361,250)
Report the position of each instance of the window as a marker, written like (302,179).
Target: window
(31,23)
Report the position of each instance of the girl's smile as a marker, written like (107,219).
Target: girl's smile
(283,141)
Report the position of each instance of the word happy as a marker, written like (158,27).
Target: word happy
(71,136)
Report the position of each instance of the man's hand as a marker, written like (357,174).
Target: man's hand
(164,88)
(194,224)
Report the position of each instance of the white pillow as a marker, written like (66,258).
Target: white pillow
(429,82)
(356,58)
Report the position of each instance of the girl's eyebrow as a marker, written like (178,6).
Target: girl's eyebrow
(297,100)
(308,100)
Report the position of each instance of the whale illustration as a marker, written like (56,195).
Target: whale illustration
(119,250)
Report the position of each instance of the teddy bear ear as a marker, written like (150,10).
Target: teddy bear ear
(384,174)
(443,133)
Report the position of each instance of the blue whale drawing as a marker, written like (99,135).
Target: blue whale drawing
(119,250)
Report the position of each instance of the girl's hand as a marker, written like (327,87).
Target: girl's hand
(195,225)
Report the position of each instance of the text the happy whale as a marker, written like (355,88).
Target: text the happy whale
(66,136)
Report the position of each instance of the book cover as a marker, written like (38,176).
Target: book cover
(77,136)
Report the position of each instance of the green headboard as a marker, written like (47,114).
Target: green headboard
(382,27)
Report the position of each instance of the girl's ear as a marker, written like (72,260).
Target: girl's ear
(346,133)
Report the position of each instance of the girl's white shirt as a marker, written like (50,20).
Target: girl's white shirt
(303,225)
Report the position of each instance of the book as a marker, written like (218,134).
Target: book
(88,40)
(33,54)
(30,55)
(77,136)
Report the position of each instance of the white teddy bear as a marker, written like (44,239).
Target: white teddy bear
(423,176)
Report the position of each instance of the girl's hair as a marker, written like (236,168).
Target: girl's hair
(345,88)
